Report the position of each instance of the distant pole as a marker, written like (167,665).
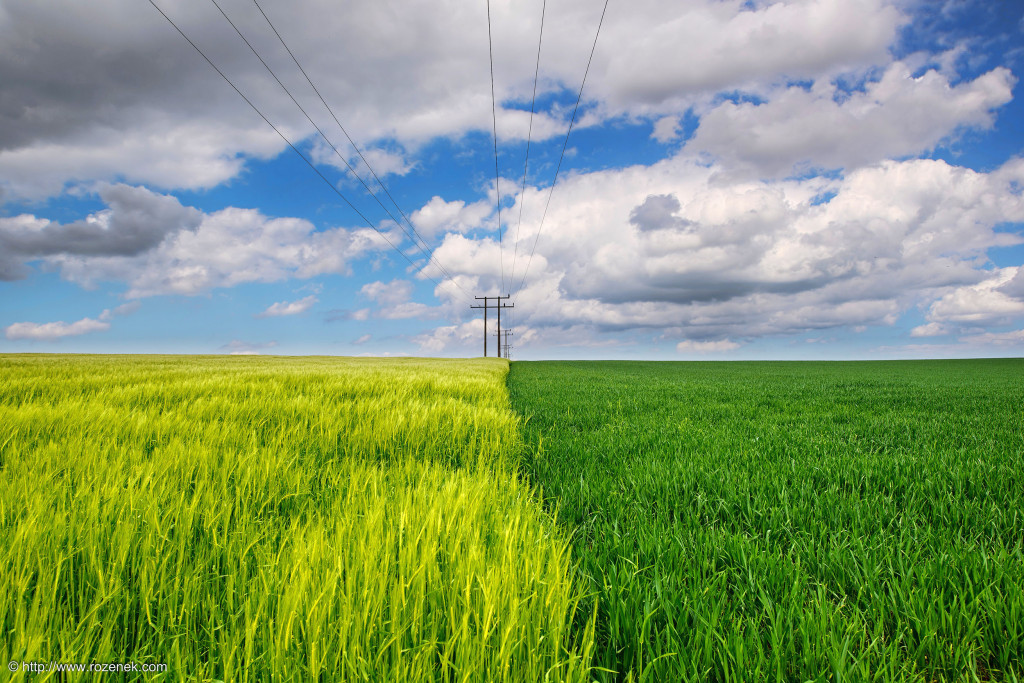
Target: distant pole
(503,345)
(499,305)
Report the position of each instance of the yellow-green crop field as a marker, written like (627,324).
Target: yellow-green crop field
(277,519)
(332,519)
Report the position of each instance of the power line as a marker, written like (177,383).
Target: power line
(564,145)
(494,122)
(356,147)
(287,141)
(324,136)
(529,137)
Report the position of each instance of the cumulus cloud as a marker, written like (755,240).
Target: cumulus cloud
(465,337)
(112,91)
(690,346)
(55,330)
(439,216)
(124,309)
(388,293)
(823,127)
(288,307)
(666,129)
(156,246)
(383,162)
(929,330)
(1014,287)
(705,47)
(136,221)
(393,298)
(989,302)
(672,245)
(1011,338)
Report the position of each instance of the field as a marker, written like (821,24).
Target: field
(790,521)
(276,519)
(296,519)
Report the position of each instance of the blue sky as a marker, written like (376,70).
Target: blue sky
(791,179)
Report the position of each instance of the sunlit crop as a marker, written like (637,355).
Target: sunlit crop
(277,519)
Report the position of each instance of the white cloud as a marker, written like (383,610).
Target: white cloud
(393,300)
(160,151)
(124,309)
(112,91)
(705,47)
(383,162)
(929,330)
(59,329)
(136,221)
(220,249)
(289,307)
(439,216)
(690,346)
(984,303)
(465,337)
(676,245)
(897,115)
(1012,338)
(1014,287)
(666,129)
(388,293)
(55,330)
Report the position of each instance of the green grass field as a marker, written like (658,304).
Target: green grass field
(790,521)
(276,519)
(332,519)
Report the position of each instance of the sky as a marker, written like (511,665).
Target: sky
(791,179)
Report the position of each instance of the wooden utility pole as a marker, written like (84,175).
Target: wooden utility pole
(501,306)
(498,305)
(503,343)
(485,307)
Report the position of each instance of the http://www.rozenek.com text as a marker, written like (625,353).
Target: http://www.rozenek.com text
(83,667)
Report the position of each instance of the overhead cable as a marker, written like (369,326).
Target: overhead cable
(288,92)
(354,146)
(529,137)
(494,123)
(288,142)
(564,145)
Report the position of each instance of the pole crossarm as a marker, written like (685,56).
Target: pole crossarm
(498,305)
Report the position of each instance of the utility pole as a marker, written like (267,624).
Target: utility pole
(498,305)
(504,333)
(484,307)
